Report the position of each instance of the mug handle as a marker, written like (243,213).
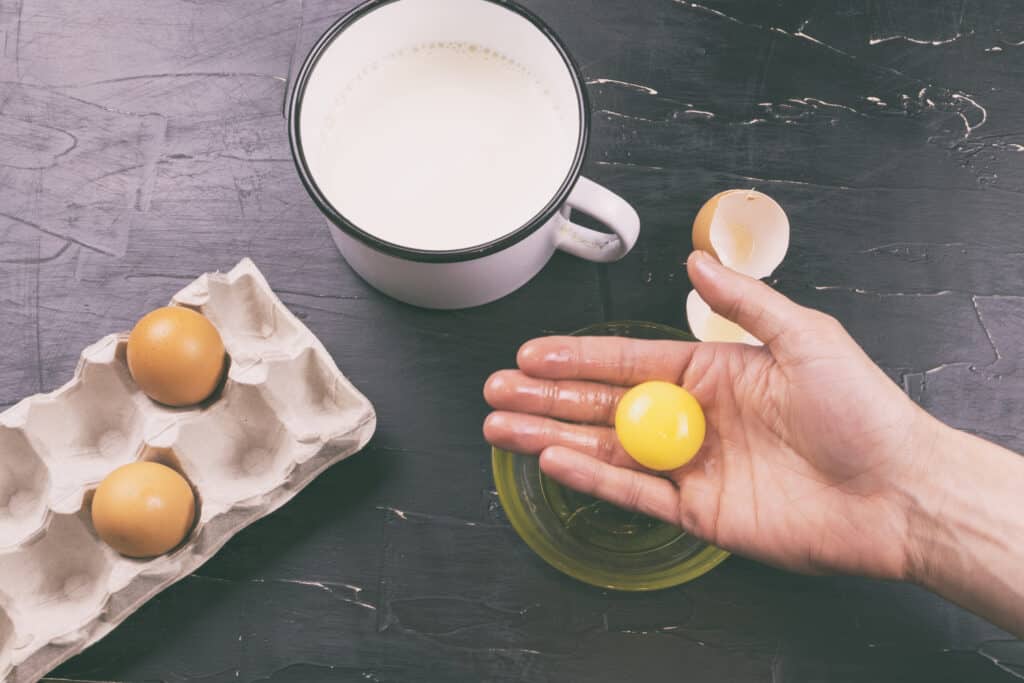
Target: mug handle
(607,207)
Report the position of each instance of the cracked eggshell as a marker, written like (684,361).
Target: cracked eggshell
(746,230)
(708,326)
(284,414)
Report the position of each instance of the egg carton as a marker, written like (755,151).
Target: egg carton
(283,414)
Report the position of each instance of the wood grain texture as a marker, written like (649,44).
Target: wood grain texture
(142,142)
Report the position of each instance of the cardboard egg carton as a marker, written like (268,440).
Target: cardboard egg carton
(283,415)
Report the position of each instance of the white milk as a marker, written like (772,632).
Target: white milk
(443,146)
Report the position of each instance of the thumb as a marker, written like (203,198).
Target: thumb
(749,303)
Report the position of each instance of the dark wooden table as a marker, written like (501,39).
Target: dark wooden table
(142,143)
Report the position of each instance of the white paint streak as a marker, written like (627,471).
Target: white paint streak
(783,181)
(916,41)
(316,584)
(994,48)
(939,368)
(865,292)
(625,84)
(811,101)
(700,112)
(811,39)
(984,113)
(828,288)
(709,10)
(753,122)
(984,327)
(626,163)
(401,514)
(620,115)
(904,245)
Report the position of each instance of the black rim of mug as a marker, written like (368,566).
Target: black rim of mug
(450,256)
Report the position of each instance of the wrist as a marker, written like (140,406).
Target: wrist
(936,453)
(964,525)
(960,510)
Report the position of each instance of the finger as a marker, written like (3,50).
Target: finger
(571,400)
(749,303)
(629,489)
(700,487)
(531,434)
(615,360)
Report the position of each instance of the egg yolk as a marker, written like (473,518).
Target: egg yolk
(660,425)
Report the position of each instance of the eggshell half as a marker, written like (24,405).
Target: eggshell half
(745,229)
(708,326)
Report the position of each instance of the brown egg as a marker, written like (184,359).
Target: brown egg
(745,229)
(176,356)
(143,509)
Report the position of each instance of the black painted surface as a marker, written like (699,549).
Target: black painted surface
(142,143)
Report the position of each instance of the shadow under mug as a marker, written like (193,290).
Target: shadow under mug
(476,274)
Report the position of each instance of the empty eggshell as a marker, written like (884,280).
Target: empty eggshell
(708,326)
(745,229)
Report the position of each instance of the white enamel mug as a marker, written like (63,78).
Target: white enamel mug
(474,274)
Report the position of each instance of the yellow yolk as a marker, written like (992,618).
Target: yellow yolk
(660,425)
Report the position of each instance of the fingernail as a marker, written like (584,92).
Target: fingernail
(494,421)
(494,386)
(527,353)
(530,353)
(704,263)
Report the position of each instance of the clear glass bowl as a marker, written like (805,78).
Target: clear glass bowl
(592,540)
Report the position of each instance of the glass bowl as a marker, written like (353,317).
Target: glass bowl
(589,539)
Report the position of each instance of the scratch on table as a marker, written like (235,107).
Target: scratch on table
(169,74)
(40,259)
(39,333)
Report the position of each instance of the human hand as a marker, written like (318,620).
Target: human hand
(810,450)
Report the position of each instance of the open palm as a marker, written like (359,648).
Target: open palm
(807,439)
